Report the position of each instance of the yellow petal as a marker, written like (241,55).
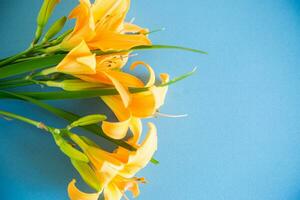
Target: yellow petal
(84,28)
(123,91)
(114,15)
(112,192)
(109,40)
(79,60)
(160,92)
(126,79)
(111,61)
(75,194)
(142,104)
(136,129)
(102,8)
(143,155)
(132,28)
(130,184)
(116,130)
(116,105)
(151,80)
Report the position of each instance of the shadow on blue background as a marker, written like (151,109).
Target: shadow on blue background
(241,139)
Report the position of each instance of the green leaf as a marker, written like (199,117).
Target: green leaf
(159,46)
(72,94)
(29,66)
(87,174)
(174,80)
(70,117)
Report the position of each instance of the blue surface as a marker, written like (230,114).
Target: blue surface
(242,137)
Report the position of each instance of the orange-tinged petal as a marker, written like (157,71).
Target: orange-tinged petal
(116,130)
(79,60)
(108,40)
(142,104)
(126,79)
(116,105)
(130,184)
(112,192)
(123,91)
(76,194)
(151,80)
(143,155)
(84,28)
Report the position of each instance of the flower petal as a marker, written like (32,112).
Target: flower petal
(79,60)
(116,130)
(112,192)
(160,92)
(76,194)
(109,40)
(136,128)
(116,105)
(126,79)
(143,155)
(142,104)
(132,28)
(123,91)
(151,80)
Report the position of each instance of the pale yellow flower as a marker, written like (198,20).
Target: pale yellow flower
(116,171)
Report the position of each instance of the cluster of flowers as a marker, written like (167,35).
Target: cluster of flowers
(101,26)
(87,61)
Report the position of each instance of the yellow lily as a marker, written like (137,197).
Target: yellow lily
(105,69)
(101,25)
(142,105)
(116,171)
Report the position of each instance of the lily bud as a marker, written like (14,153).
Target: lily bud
(55,28)
(88,120)
(43,17)
(69,150)
(46,11)
(73,85)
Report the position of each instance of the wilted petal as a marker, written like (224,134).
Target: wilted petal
(76,194)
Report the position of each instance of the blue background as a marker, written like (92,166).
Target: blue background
(242,137)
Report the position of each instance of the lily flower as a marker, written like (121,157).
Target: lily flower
(102,26)
(142,105)
(116,171)
(105,69)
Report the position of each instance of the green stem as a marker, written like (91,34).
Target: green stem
(15,57)
(24,119)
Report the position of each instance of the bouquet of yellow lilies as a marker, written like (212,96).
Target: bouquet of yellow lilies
(87,61)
